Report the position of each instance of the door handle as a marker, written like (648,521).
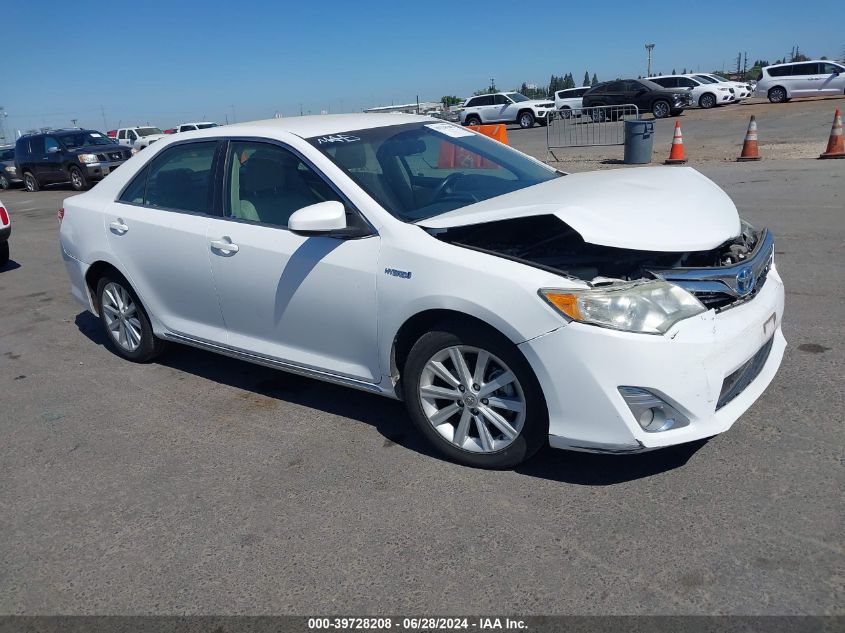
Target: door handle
(224,246)
(118,227)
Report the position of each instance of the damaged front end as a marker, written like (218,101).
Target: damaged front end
(720,278)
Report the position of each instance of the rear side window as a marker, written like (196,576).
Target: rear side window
(805,69)
(121,134)
(484,101)
(36,145)
(181,178)
(780,71)
(580,92)
(666,82)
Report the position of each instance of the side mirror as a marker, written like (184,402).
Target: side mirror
(53,150)
(322,218)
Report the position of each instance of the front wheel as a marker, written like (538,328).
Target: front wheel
(4,182)
(77,179)
(707,101)
(526,120)
(125,320)
(660,109)
(474,397)
(30,182)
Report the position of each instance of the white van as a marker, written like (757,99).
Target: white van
(783,82)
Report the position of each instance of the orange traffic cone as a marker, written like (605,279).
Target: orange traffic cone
(835,146)
(749,146)
(676,154)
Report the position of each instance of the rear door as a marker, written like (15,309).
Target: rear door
(805,80)
(502,109)
(485,108)
(157,230)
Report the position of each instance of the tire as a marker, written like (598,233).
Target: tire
(597,115)
(4,182)
(132,335)
(4,253)
(528,429)
(472,120)
(565,112)
(30,182)
(777,95)
(707,101)
(525,120)
(660,109)
(77,179)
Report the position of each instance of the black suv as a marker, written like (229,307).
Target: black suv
(644,94)
(77,156)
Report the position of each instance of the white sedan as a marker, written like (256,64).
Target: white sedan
(508,304)
(705,94)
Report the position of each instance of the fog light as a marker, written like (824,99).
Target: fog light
(652,412)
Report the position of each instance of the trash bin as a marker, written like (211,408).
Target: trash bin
(639,141)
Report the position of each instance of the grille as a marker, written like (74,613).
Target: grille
(736,383)
(722,300)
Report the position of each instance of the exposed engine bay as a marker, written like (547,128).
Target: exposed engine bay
(548,243)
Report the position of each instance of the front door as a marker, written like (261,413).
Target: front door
(308,301)
(157,230)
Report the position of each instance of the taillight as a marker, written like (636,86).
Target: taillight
(61,214)
(4,217)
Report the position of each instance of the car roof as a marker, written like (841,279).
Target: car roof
(806,61)
(316,125)
(195,123)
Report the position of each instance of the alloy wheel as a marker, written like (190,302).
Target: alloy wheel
(480,410)
(29,181)
(121,316)
(76,179)
(4,182)
(777,95)
(660,110)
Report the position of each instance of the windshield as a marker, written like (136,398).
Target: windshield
(205,126)
(83,139)
(706,79)
(7,154)
(419,170)
(146,131)
(517,97)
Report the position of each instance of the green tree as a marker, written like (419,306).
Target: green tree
(594,81)
(450,100)
(568,81)
(674,72)
(586,78)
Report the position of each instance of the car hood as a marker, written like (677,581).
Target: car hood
(99,149)
(537,102)
(671,209)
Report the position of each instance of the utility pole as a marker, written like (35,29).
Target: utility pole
(234,119)
(649,48)
(3,116)
(103,112)
(492,85)
(744,65)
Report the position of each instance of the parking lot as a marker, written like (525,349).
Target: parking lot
(202,484)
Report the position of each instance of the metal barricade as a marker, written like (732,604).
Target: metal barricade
(588,127)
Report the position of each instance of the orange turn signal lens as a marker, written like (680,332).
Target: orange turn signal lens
(566,303)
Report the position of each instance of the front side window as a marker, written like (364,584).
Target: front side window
(51,144)
(517,97)
(267,183)
(829,69)
(180,178)
(131,135)
(419,170)
(501,100)
(84,139)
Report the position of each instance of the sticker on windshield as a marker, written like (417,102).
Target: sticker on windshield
(337,138)
(449,130)
(95,135)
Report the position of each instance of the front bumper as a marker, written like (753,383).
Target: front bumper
(98,171)
(581,367)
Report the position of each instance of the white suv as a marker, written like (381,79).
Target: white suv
(570,99)
(505,107)
(783,82)
(190,127)
(506,303)
(705,94)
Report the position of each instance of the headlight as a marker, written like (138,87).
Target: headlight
(87,158)
(725,89)
(11,169)
(650,307)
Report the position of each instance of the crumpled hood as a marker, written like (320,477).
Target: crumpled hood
(670,209)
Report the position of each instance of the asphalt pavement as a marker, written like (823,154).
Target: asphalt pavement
(199,484)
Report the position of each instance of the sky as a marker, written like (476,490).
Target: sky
(164,63)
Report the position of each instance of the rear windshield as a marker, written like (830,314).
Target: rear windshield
(420,170)
(83,139)
(147,131)
(205,126)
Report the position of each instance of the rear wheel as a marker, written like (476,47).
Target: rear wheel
(474,397)
(4,253)
(777,95)
(77,179)
(472,120)
(565,112)
(598,113)
(707,101)
(125,320)
(525,120)
(30,182)
(660,109)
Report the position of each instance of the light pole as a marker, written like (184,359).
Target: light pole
(649,48)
